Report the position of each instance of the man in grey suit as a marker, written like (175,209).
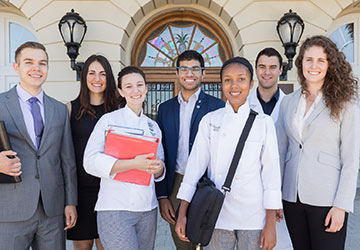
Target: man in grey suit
(32,211)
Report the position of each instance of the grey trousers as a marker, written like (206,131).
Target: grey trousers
(127,230)
(228,240)
(40,232)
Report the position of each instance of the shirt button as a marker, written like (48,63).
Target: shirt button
(236,197)
(37,176)
(300,146)
(219,175)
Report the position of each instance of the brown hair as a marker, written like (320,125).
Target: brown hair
(340,85)
(32,45)
(111,99)
(125,71)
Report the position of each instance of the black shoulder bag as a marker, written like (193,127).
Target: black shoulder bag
(205,206)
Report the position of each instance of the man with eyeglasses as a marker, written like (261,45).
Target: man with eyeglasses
(178,119)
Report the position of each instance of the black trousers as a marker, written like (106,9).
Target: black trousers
(307,230)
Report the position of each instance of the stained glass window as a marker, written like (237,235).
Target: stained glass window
(165,44)
(344,39)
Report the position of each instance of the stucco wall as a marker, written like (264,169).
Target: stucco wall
(114,24)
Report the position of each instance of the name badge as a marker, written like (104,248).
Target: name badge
(214,127)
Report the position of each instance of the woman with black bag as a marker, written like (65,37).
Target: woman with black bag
(248,215)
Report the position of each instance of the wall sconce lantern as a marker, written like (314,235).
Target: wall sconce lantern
(289,28)
(72,28)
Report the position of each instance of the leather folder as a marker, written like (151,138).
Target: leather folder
(128,146)
(5,145)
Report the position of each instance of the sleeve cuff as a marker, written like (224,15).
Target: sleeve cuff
(160,178)
(186,192)
(272,199)
(103,169)
(347,207)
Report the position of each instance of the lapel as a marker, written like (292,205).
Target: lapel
(292,106)
(275,112)
(49,109)
(176,113)
(316,112)
(197,107)
(15,111)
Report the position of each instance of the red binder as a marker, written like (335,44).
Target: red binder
(124,146)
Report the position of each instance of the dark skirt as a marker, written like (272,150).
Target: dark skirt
(86,227)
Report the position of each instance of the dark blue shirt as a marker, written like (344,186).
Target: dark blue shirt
(269,106)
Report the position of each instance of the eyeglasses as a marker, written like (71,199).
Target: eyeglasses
(196,70)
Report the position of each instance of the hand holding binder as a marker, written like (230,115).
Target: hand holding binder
(129,146)
(12,165)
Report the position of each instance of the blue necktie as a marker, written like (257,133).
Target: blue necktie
(38,122)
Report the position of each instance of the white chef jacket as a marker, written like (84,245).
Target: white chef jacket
(117,195)
(256,185)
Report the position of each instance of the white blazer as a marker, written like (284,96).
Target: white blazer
(321,168)
(255,105)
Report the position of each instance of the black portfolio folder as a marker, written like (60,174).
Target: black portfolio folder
(5,145)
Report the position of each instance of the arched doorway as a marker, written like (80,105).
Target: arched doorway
(162,40)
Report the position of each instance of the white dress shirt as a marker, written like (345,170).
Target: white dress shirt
(300,116)
(256,185)
(117,195)
(186,111)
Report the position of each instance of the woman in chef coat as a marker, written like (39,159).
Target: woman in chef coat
(126,212)
(248,216)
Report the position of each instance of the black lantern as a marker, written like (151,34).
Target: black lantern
(72,28)
(289,28)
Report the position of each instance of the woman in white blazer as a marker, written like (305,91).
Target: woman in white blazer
(318,136)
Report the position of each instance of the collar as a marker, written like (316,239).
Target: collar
(242,111)
(276,95)
(194,96)
(132,114)
(317,99)
(25,96)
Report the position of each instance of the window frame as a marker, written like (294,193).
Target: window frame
(341,21)
(6,69)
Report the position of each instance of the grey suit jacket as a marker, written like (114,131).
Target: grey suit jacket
(321,168)
(50,169)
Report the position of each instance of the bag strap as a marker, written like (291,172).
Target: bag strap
(238,151)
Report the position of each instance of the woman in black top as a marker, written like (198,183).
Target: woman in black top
(97,96)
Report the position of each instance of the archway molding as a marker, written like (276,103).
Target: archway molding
(223,21)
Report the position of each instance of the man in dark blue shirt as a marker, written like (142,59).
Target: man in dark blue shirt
(267,97)
(269,106)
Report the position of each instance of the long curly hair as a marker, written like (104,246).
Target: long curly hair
(111,97)
(340,85)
